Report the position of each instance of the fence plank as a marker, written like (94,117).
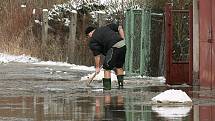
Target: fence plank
(45,27)
(101,19)
(72,37)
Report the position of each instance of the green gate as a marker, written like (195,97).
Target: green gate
(144,35)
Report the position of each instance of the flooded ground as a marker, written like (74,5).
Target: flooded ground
(31,92)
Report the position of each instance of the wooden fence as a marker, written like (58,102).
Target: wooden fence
(19,34)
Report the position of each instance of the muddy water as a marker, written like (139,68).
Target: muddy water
(98,105)
(46,93)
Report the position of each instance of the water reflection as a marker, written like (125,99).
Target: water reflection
(104,107)
(206,113)
(22,108)
(172,112)
(110,108)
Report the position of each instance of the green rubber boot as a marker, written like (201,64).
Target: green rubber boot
(120,79)
(107,83)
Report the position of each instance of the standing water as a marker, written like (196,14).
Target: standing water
(98,105)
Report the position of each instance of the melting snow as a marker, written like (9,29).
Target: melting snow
(100,76)
(53,63)
(172,96)
(53,89)
(6,58)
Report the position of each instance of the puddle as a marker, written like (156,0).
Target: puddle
(104,106)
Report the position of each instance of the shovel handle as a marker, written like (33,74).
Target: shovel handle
(91,79)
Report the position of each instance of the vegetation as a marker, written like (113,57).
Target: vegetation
(19,34)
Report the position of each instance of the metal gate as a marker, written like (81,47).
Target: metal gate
(207,43)
(179,45)
(145,42)
(138,41)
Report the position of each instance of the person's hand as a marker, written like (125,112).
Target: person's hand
(97,70)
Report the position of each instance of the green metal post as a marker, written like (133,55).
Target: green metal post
(147,39)
(142,61)
(147,113)
(145,42)
(149,33)
(136,41)
(131,43)
(127,40)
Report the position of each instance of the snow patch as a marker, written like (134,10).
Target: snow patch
(5,58)
(99,76)
(38,22)
(23,6)
(172,96)
(34,11)
(72,66)
(101,12)
(74,11)
(80,67)
(53,89)
(45,10)
(97,90)
(52,63)
(160,79)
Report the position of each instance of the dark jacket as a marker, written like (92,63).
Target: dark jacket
(104,38)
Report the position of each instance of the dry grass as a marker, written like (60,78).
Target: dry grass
(20,35)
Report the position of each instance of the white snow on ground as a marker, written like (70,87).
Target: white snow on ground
(72,66)
(172,96)
(52,63)
(6,58)
(160,79)
(114,77)
(99,76)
